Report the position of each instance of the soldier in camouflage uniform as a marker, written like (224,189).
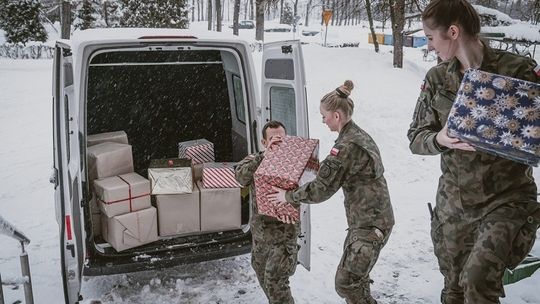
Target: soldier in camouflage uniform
(484,221)
(274,249)
(355,165)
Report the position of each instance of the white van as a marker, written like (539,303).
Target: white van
(162,87)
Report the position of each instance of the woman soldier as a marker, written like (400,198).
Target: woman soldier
(482,223)
(355,165)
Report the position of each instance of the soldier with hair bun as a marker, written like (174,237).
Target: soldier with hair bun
(354,164)
(484,221)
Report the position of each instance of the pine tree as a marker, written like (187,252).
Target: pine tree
(85,16)
(155,13)
(20,21)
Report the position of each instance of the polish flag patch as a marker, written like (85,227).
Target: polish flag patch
(537,70)
(334,152)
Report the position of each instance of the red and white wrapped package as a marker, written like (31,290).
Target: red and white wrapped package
(219,175)
(122,194)
(198,150)
(290,164)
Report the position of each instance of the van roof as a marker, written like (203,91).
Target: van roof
(125,34)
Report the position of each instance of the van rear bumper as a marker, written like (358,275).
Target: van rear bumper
(106,264)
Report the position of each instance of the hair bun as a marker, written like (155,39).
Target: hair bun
(349,85)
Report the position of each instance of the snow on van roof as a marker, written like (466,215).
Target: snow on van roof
(102,34)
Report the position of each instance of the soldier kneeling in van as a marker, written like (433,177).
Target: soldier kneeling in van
(274,249)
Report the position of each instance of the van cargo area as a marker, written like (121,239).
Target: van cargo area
(160,98)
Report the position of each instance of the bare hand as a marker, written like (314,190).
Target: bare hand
(278,197)
(451,142)
(287,219)
(273,142)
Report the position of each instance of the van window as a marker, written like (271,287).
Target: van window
(279,69)
(283,107)
(239,99)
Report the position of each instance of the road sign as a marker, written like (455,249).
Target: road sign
(326,15)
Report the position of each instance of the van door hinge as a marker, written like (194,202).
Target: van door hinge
(71,248)
(53,179)
(66,52)
(286,49)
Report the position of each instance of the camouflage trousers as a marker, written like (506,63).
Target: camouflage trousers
(274,258)
(360,253)
(473,255)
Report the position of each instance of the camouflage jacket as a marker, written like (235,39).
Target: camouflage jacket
(244,172)
(355,165)
(472,181)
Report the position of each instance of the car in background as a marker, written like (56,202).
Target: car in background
(244,24)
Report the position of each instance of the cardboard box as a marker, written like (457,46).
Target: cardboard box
(197,172)
(117,137)
(170,176)
(198,150)
(220,208)
(292,163)
(122,194)
(178,213)
(109,159)
(498,115)
(219,175)
(131,229)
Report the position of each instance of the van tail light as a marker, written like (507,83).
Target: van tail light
(168,37)
(68,227)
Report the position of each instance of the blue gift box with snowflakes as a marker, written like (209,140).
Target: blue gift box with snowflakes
(498,115)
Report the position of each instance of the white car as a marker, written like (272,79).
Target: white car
(162,86)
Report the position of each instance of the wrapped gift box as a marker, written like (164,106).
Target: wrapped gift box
(198,150)
(220,208)
(288,165)
(131,229)
(219,175)
(498,115)
(109,159)
(178,213)
(117,137)
(170,176)
(122,194)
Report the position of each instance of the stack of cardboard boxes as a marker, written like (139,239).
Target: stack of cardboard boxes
(192,193)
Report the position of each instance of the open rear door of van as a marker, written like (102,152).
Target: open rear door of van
(66,173)
(284,99)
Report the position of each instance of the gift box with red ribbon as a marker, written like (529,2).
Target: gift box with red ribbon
(289,164)
(122,194)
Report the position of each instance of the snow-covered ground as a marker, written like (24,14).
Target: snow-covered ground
(385,97)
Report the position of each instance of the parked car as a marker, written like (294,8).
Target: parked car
(244,24)
(162,86)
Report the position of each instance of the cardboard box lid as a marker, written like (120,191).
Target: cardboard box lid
(114,188)
(115,136)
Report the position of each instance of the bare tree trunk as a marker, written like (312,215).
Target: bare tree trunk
(370,19)
(252,10)
(105,9)
(308,8)
(192,10)
(236,16)
(280,11)
(259,20)
(218,15)
(66,19)
(397,16)
(209,14)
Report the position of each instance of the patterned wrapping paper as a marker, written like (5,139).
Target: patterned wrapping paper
(499,115)
(290,164)
(198,150)
(219,175)
(170,176)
